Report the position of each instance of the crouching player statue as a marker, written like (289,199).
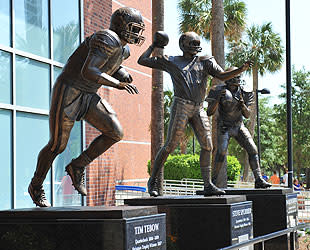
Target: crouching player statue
(96,62)
(189,74)
(233,103)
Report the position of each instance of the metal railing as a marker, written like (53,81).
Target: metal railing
(303,200)
(263,238)
(190,186)
(135,189)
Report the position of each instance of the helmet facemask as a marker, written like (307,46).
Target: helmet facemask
(190,43)
(235,81)
(128,24)
(133,33)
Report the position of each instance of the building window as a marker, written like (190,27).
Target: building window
(37,37)
(27,86)
(66,28)
(31,136)
(31,26)
(5,77)
(5,27)
(6,158)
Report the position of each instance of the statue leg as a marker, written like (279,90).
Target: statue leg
(102,117)
(201,126)
(177,124)
(245,140)
(223,138)
(60,128)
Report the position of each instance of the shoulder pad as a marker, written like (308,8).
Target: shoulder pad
(219,87)
(126,52)
(204,58)
(106,40)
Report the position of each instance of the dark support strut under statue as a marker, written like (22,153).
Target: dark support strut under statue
(96,62)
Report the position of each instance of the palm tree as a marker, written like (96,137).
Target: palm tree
(196,15)
(157,104)
(263,47)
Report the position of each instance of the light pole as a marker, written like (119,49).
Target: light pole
(263,91)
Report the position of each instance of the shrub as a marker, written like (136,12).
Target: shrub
(233,168)
(178,167)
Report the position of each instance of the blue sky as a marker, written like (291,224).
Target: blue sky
(259,12)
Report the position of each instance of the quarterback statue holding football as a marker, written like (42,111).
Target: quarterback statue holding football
(96,62)
(189,74)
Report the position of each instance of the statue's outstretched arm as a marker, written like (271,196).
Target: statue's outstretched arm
(226,75)
(91,72)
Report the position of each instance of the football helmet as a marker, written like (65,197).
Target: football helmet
(236,80)
(128,24)
(190,42)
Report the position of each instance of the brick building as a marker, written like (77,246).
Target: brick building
(37,37)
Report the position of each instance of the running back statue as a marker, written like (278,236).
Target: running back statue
(96,62)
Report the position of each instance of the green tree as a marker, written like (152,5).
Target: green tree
(301,119)
(196,15)
(272,156)
(264,48)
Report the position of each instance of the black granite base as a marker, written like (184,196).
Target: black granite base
(83,228)
(196,222)
(273,210)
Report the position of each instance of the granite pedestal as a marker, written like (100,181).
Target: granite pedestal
(273,210)
(83,228)
(197,222)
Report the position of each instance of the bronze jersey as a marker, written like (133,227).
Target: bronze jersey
(103,44)
(189,76)
(229,106)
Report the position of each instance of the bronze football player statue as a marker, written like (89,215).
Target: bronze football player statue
(233,104)
(189,74)
(96,62)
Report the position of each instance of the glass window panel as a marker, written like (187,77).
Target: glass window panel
(5,77)
(32,133)
(66,28)
(64,192)
(57,72)
(5,20)
(31,26)
(6,159)
(32,83)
